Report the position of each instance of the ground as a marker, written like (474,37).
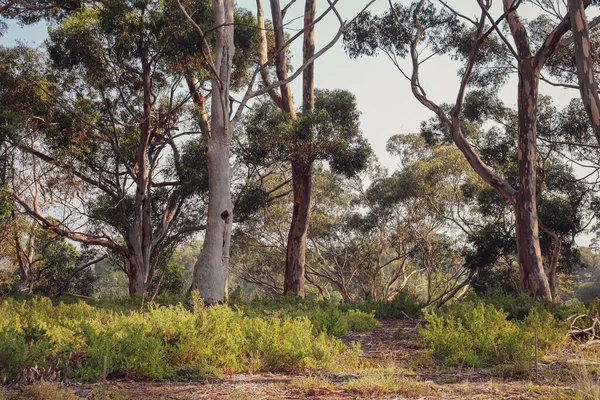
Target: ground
(396,368)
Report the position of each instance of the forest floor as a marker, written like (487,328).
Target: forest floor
(395,367)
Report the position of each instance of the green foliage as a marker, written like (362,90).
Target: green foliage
(159,342)
(518,306)
(476,334)
(332,130)
(405,302)
(325,317)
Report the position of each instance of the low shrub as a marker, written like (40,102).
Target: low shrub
(326,317)
(402,304)
(519,306)
(475,335)
(158,342)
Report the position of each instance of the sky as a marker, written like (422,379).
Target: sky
(384,98)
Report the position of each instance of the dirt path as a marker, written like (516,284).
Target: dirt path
(398,370)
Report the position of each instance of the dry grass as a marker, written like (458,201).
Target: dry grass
(39,391)
(382,383)
(587,384)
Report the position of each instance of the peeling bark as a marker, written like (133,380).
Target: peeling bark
(302,172)
(584,62)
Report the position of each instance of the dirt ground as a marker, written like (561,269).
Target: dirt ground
(398,370)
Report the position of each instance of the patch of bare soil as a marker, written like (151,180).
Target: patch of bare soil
(396,368)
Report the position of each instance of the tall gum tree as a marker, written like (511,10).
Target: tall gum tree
(210,274)
(108,109)
(301,164)
(584,62)
(211,270)
(295,261)
(422,23)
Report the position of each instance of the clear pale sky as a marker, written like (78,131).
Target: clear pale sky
(383,94)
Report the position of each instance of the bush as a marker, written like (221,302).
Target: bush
(519,306)
(157,342)
(326,317)
(405,302)
(475,335)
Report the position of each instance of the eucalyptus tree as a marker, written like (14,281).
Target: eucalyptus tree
(114,123)
(483,47)
(332,135)
(211,272)
(566,203)
(301,163)
(424,212)
(584,58)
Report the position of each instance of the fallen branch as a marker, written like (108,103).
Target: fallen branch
(585,335)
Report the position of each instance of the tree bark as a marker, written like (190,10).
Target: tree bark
(211,270)
(136,275)
(140,233)
(302,171)
(584,62)
(296,246)
(554,258)
(533,276)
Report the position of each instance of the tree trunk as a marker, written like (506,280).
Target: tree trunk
(211,270)
(302,172)
(585,67)
(136,275)
(553,258)
(296,245)
(533,277)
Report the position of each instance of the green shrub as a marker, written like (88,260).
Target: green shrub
(333,319)
(476,335)
(39,391)
(161,342)
(550,330)
(519,306)
(405,302)
(496,330)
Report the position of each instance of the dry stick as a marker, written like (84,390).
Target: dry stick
(535,335)
(104,379)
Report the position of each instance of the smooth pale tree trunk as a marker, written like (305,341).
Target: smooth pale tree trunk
(295,264)
(584,62)
(211,270)
(554,258)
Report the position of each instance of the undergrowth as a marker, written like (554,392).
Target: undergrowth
(161,342)
(331,318)
(404,303)
(478,334)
